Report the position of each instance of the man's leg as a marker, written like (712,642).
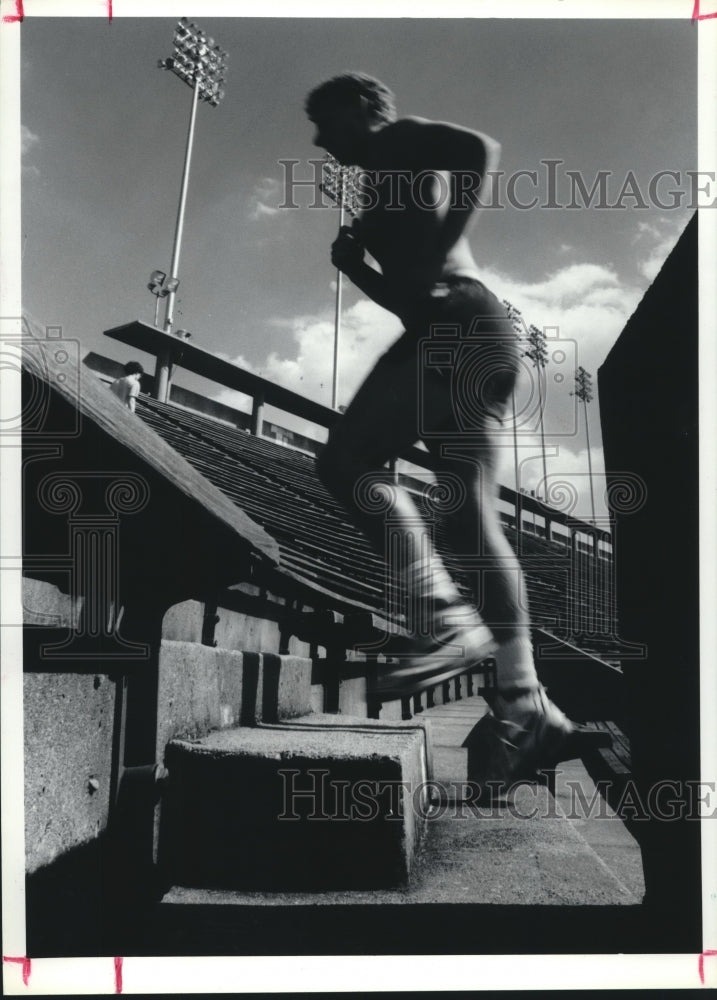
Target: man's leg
(382,421)
(524,729)
(475,534)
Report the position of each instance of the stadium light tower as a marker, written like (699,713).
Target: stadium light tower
(201,64)
(516,319)
(340,183)
(539,356)
(584,392)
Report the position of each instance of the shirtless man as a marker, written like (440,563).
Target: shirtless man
(424,186)
(126,388)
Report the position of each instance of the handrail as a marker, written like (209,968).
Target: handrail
(203,362)
(263,392)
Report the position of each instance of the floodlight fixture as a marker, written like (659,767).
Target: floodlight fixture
(584,392)
(537,353)
(156,279)
(583,385)
(160,290)
(539,356)
(197,60)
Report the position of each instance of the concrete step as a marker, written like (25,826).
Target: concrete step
(598,824)
(525,853)
(576,795)
(536,853)
(204,688)
(313,803)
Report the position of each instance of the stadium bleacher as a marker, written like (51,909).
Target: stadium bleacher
(277,486)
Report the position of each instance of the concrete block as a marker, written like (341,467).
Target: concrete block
(438,695)
(317,697)
(202,688)
(352,696)
(293,807)
(184,622)
(236,630)
(252,687)
(240,681)
(188,700)
(391,711)
(458,688)
(286,686)
(68,722)
(426,727)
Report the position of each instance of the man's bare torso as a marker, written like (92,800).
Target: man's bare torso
(408,198)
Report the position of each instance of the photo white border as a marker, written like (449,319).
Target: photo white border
(321,974)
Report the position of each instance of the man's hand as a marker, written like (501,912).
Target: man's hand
(346,251)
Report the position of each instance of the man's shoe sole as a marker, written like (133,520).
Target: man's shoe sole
(497,745)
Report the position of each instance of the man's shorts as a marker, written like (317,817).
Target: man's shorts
(461,337)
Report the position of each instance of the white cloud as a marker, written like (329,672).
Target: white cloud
(28,139)
(652,264)
(366,331)
(260,210)
(586,305)
(264,201)
(646,229)
(656,242)
(569,284)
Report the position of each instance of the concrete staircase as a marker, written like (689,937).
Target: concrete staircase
(546,859)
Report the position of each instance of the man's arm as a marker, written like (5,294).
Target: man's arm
(444,146)
(464,158)
(347,254)
(133,395)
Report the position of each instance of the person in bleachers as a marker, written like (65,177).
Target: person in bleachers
(126,388)
(421,186)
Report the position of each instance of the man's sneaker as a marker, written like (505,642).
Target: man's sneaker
(521,735)
(454,646)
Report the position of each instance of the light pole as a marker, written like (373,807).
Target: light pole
(516,319)
(584,392)
(340,184)
(539,356)
(201,64)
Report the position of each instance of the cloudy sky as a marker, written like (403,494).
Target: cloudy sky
(103,140)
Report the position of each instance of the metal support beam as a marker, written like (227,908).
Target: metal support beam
(257,414)
(162,376)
